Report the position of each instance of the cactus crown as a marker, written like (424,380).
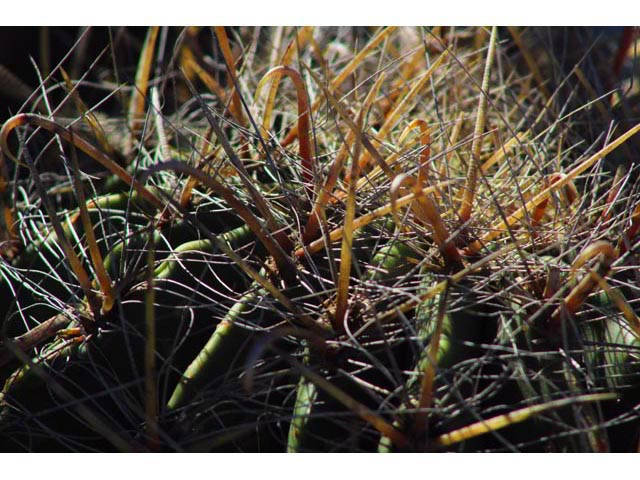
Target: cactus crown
(311,240)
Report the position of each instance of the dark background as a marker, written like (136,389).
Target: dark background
(47,46)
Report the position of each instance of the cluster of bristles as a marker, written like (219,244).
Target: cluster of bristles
(414,259)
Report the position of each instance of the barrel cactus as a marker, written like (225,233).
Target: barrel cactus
(314,239)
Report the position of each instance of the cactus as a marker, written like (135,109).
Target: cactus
(403,248)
